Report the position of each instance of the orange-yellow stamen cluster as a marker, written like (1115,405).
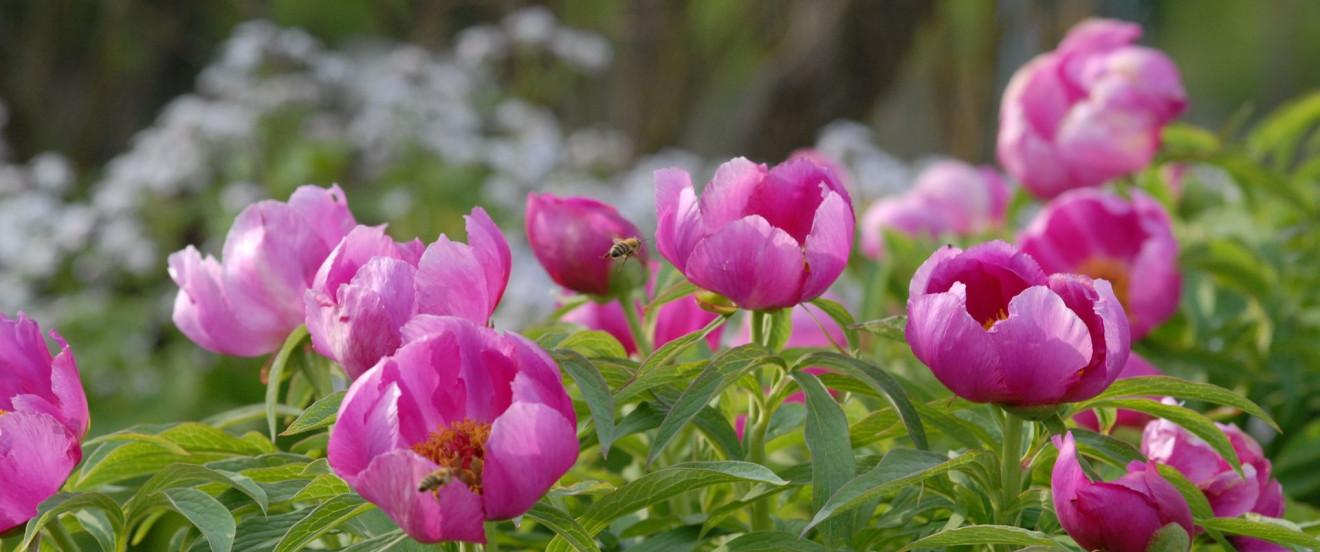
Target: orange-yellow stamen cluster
(3,412)
(990,322)
(461,447)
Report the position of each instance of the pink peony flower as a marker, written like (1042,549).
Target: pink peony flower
(248,305)
(1136,367)
(993,328)
(1090,111)
(974,198)
(764,238)
(489,409)
(369,287)
(1230,494)
(1118,516)
(43,418)
(570,237)
(906,214)
(1128,243)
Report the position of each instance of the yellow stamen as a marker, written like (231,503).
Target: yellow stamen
(990,322)
(461,447)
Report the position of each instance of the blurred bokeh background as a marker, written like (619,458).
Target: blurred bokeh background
(134,127)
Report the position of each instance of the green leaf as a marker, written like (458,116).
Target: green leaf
(877,379)
(984,534)
(321,413)
(893,327)
(1195,498)
(97,524)
(1280,133)
(587,487)
(663,484)
(178,475)
(832,463)
(207,514)
(1188,139)
(322,519)
(594,391)
(62,503)
(594,344)
(276,374)
(842,318)
(259,534)
(779,327)
(563,525)
(1183,389)
(1114,451)
(771,541)
(1189,419)
(246,413)
(673,348)
(1270,529)
(379,542)
(679,374)
(899,468)
(324,486)
(717,430)
(723,370)
(677,291)
(190,443)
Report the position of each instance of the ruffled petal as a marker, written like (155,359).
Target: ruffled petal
(67,386)
(956,348)
(271,255)
(678,218)
(1094,303)
(530,447)
(450,513)
(828,245)
(203,313)
(752,263)
(491,251)
(1042,346)
(790,196)
(363,323)
(367,425)
(726,198)
(325,210)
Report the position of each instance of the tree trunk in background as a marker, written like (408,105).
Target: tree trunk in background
(848,67)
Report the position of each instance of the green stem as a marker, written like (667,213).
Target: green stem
(63,540)
(756,454)
(635,324)
(758,327)
(492,536)
(1010,466)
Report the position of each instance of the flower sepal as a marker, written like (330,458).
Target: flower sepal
(1170,538)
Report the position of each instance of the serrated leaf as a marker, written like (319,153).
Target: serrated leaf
(594,344)
(594,391)
(898,468)
(877,379)
(1263,528)
(322,519)
(321,413)
(1183,389)
(1189,419)
(563,525)
(771,541)
(1200,506)
(62,503)
(985,534)
(276,374)
(723,370)
(662,485)
(832,464)
(842,318)
(207,514)
(892,327)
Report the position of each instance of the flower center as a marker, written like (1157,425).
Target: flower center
(1113,270)
(460,448)
(990,322)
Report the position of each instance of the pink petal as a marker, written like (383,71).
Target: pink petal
(678,218)
(956,348)
(828,245)
(37,453)
(726,198)
(530,447)
(790,196)
(325,210)
(752,263)
(67,386)
(452,512)
(367,425)
(1042,347)
(271,255)
(363,323)
(491,250)
(203,313)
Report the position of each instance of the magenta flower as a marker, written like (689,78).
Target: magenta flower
(1089,111)
(974,198)
(43,417)
(1136,367)
(1128,243)
(369,287)
(248,305)
(571,235)
(1230,494)
(827,163)
(766,239)
(993,328)
(1118,516)
(674,320)
(489,408)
